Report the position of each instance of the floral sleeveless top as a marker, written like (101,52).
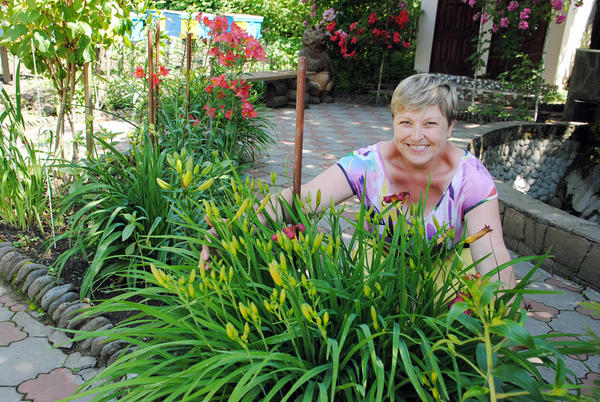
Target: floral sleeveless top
(471,185)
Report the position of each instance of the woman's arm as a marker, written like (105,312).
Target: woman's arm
(488,214)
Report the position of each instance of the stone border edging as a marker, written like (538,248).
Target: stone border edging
(531,226)
(59,302)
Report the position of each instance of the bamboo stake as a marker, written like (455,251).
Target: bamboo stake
(188,69)
(89,112)
(150,87)
(300,95)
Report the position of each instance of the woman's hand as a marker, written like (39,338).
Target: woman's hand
(206,253)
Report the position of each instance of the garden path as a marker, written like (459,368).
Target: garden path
(31,369)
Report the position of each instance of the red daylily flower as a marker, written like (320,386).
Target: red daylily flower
(290,231)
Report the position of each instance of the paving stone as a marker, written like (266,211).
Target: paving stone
(522,268)
(571,322)
(564,284)
(589,381)
(57,384)
(88,374)
(535,327)
(59,339)
(55,293)
(10,332)
(26,270)
(18,307)
(566,300)
(33,275)
(3,289)
(66,298)
(593,363)
(8,299)
(37,285)
(76,361)
(539,311)
(595,314)
(31,325)
(591,294)
(25,359)
(9,394)
(5,313)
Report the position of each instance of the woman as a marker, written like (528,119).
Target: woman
(419,161)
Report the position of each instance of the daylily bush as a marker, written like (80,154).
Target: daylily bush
(293,312)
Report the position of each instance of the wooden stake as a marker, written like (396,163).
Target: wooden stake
(6,76)
(300,96)
(188,69)
(89,112)
(150,87)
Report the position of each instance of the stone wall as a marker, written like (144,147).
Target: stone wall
(534,158)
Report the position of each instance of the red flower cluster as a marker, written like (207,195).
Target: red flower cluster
(220,87)
(460,297)
(393,198)
(231,44)
(162,72)
(290,231)
(375,26)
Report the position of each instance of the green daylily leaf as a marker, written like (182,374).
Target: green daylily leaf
(128,231)
(474,392)
(514,332)
(456,310)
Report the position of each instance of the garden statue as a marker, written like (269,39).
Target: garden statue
(318,64)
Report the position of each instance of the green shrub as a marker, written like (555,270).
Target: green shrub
(294,313)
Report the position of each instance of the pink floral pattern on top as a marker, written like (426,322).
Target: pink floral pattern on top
(471,186)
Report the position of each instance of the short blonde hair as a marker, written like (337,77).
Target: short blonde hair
(422,90)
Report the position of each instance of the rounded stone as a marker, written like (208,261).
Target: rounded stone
(6,250)
(55,293)
(70,313)
(97,345)
(17,267)
(43,291)
(67,297)
(61,308)
(25,270)
(95,323)
(7,263)
(113,358)
(33,275)
(110,348)
(86,344)
(38,285)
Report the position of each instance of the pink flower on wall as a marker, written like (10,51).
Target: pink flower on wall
(560,18)
(513,5)
(523,24)
(504,22)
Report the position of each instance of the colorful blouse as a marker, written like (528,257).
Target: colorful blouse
(471,185)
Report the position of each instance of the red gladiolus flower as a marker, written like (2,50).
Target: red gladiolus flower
(334,38)
(353,26)
(353,40)
(406,44)
(396,37)
(139,72)
(331,26)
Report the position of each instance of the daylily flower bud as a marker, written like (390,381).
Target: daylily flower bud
(326,318)
(196,169)
(206,184)
(373,313)
(246,331)
(243,310)
(282,297)
(264,203)
(267,306)
(486,229)
(274,271)
(179,166)
(189,165)
(230,274)
(191,290)
(318,200)
(367,290)
(304,281)
(163,184)
(233,186)
(192,275)
(231,331)
(254,311)
(186,179)
(273,177)
(306,311)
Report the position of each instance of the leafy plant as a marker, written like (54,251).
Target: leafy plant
(58,38)
(24,188)
(289,312)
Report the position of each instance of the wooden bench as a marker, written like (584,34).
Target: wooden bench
(280,86)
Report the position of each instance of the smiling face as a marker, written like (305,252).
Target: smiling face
(420,136)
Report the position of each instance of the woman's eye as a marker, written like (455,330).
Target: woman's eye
(431,123)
